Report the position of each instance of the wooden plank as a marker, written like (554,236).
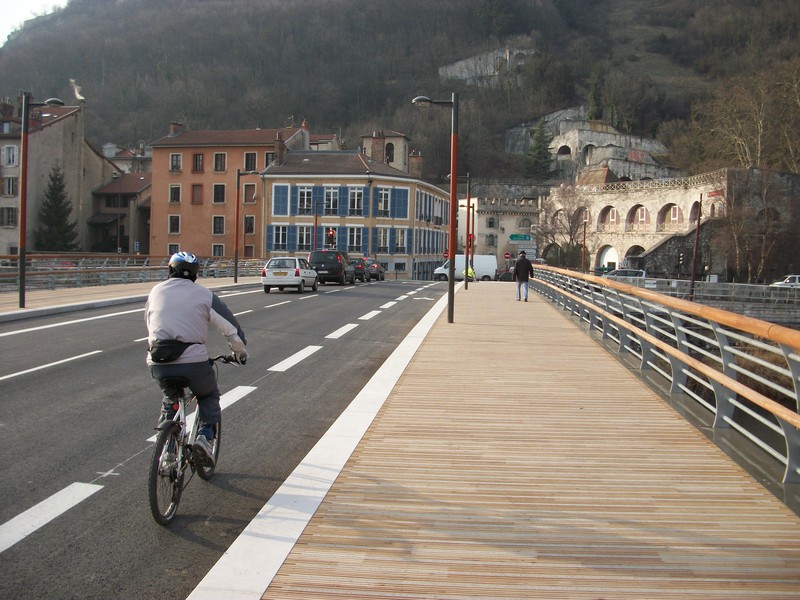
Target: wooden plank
(537,467)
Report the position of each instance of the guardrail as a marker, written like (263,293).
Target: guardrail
(50,272)
(745,371)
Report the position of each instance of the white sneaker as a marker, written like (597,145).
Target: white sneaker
(203,452)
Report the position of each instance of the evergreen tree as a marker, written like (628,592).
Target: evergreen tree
(537,158)
(56,232)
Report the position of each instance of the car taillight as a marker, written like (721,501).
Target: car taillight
(263,272)
(296,272)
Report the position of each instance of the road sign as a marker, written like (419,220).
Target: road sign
(519,237)
(507,255)
(445,254)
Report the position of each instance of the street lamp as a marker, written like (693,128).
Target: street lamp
(696,243)
(118,178)
(453,103)
(239,175)
(583,247)
(467,237)
(23,184)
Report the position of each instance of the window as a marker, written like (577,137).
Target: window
(249,224)
(383,202)
(172,249)
(249,161)
(400,266)
(10,156)
(383,239)
(220,161)
(218,225)
(675,213)
(174,224)
(304,237)
(491,240)
(10,186)
(249,193)
(217,250)
(280,237)
(197,163)
(280,200)
(356,202)
(400,240)
(389,152)
(490,223)
(175,193)
(219,193)
(269,157)
(8,216)
(354,239)
(331,201)
(304,201)
(197,194)
(249,251)
(175,162)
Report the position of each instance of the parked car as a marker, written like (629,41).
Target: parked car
(360,266)
(792,281)
(332,265)
(376,270)
(625,274)
(287,272)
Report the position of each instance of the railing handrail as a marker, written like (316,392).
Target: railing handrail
(713,356)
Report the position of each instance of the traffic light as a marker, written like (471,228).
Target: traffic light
(680,258)
(331,236)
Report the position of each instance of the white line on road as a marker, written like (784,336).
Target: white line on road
(225,401)
(244,312)
(52,364)
(341,331)
(401,298)
(35,517)
(295,358)
(127,312)
(388,305)
(240,293)
(277,304)
(369,315)
(307,297)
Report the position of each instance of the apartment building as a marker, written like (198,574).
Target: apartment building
(350,201)
(195,176)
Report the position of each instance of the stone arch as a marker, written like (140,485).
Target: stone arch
(638,218)
(552,254)
(693,211)
(608,257)
(390,152)
(670,218)
(524,223)
(588,149)
(564,151)
(608,219)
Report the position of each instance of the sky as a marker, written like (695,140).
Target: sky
(16,11)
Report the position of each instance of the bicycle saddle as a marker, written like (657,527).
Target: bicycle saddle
(175,381)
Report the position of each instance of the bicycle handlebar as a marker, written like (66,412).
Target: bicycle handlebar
(227,359)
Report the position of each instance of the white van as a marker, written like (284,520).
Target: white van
(485,266)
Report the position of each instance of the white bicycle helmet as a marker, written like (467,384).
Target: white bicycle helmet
(184,265)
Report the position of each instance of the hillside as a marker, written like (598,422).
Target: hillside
(350,66)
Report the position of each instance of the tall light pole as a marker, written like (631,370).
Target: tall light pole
(23,184)
(118,178)
(451,251)
(696,244)
(583,247)
(239,174)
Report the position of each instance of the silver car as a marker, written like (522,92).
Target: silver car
(792,281)
(288,271)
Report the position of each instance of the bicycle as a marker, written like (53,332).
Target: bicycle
(172,453)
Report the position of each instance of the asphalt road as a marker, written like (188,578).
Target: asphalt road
(77,408)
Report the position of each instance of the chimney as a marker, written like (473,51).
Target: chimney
(175,128)
(415,164)
(280,149)
(378,147)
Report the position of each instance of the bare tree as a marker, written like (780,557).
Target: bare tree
(561,225)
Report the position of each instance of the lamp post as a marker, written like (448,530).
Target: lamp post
(696,243)
(467,238)
(453,104)
(23,184)
(239,174)
(583,247)
(118,178)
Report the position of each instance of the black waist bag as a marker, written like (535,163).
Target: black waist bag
(164,351)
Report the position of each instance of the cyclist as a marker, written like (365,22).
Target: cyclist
(178,312)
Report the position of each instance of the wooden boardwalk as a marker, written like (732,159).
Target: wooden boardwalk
(516,458)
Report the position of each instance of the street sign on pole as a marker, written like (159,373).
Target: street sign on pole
(507,255)
(445,254)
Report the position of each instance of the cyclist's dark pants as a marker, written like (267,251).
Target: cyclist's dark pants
(202,382)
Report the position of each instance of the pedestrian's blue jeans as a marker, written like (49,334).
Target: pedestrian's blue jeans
(523,285)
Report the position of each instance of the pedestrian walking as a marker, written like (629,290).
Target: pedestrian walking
(523,270)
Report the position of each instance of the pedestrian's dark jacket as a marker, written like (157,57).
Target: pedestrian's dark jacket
(523,269)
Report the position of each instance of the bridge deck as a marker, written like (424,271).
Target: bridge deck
(516,458)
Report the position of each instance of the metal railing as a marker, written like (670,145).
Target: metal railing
(745,371)
(56,271)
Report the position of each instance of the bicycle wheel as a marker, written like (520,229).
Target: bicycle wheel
(165,482)
(206,473)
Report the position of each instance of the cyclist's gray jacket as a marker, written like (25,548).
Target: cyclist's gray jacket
(179,309)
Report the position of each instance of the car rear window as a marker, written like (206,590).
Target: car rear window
(280,264)
(324,257)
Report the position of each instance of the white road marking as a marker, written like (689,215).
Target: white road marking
(399,298)
(369,315)
(35,517)
(225,401)
(341,331)
(309,296)
(277,304)
(388,305)
(249,565)
(239,293)
(144,339)
(52,364)
(295,358)
(244,312)
(73,322)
